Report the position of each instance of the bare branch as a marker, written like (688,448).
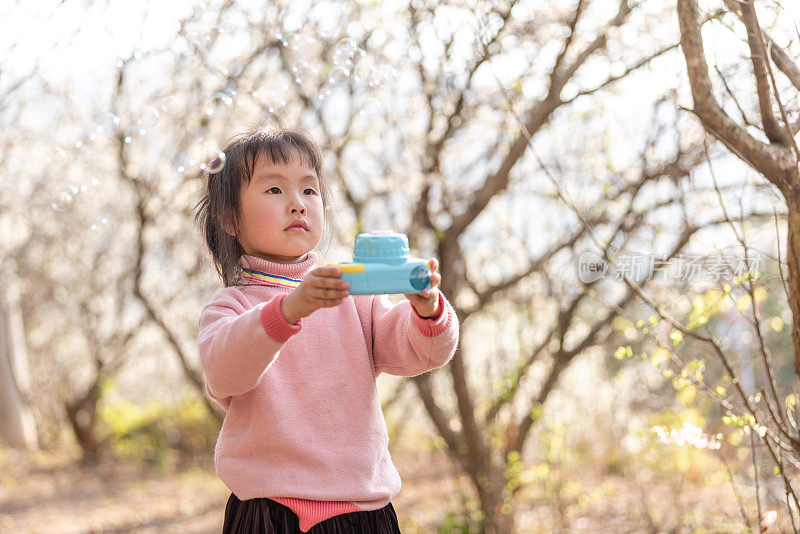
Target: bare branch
(758,57)
(771,161)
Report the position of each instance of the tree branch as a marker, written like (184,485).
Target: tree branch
(758,57)
(771,161)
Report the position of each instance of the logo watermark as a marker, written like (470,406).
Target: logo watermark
(639,268)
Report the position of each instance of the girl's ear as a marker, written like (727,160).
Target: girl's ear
(228,226)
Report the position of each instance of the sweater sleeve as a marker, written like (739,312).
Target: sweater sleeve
(237,345)
(405,344)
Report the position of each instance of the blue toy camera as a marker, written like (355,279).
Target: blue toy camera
(381,265)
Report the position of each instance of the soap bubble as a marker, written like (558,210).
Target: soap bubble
(305,74)
(110,123)
(133,133)
(206,151)
(290,24)
(344,54)
(302,46)
(63,201)
(215,163)
(89,138)
(98,223)
(364,72)
(223,98)
(324,93)
(338,76)
(90,187)
(371,107)
(148,117)
(57,155)
(170,105)
(278,95)
(382,77)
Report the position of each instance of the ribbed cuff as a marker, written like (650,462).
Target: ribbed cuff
(275,323)
(433,326)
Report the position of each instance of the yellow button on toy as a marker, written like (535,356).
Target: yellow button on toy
(348,267)
(352,268)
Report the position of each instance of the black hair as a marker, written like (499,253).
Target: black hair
(219,205)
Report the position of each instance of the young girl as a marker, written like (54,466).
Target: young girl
(293,358)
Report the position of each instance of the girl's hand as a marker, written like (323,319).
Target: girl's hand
(321,288)
(427,303)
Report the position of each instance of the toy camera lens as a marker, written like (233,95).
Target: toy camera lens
(419,278)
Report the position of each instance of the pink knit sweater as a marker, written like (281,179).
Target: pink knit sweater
(303,423)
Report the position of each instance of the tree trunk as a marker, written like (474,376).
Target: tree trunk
(82,415)
(793,260)
(17,424)
(492,496)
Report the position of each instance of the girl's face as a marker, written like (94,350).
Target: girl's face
(281,214)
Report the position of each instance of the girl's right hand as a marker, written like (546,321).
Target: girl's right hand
(321,288)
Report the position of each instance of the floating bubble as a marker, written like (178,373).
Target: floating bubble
(290,24)
(364,71)
(278,97)
(305,74)
(371,107)
(133,133)
(90,187)
(302,46)
(170,104)
(324,93)
(342,59)
(338,76)
(98,223)
(382,76)
(63,201)
(215,164)
(57,155)
(149,117)
(223,99)
(204,151)
(89,138)
(109,124)
(344,55)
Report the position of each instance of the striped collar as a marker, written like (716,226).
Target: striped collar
(270,279)
(260,272)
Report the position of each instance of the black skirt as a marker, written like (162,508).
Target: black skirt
(265,516)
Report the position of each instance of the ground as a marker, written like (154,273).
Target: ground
(51,492)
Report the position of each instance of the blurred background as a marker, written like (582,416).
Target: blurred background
(624,269)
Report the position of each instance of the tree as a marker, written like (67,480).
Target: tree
(17,420)
(768,146)
(771,149)
(431,117)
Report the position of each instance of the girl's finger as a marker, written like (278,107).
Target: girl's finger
(435,279)
(327,272)
(326,294)
(329,283)
(433,263)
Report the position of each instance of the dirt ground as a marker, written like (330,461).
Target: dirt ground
(50,492)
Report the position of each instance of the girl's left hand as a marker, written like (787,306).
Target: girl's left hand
(427,303)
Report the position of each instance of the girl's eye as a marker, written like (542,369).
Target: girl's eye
(310,191)
(275,190)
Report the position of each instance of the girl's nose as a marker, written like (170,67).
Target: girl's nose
(297,206)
